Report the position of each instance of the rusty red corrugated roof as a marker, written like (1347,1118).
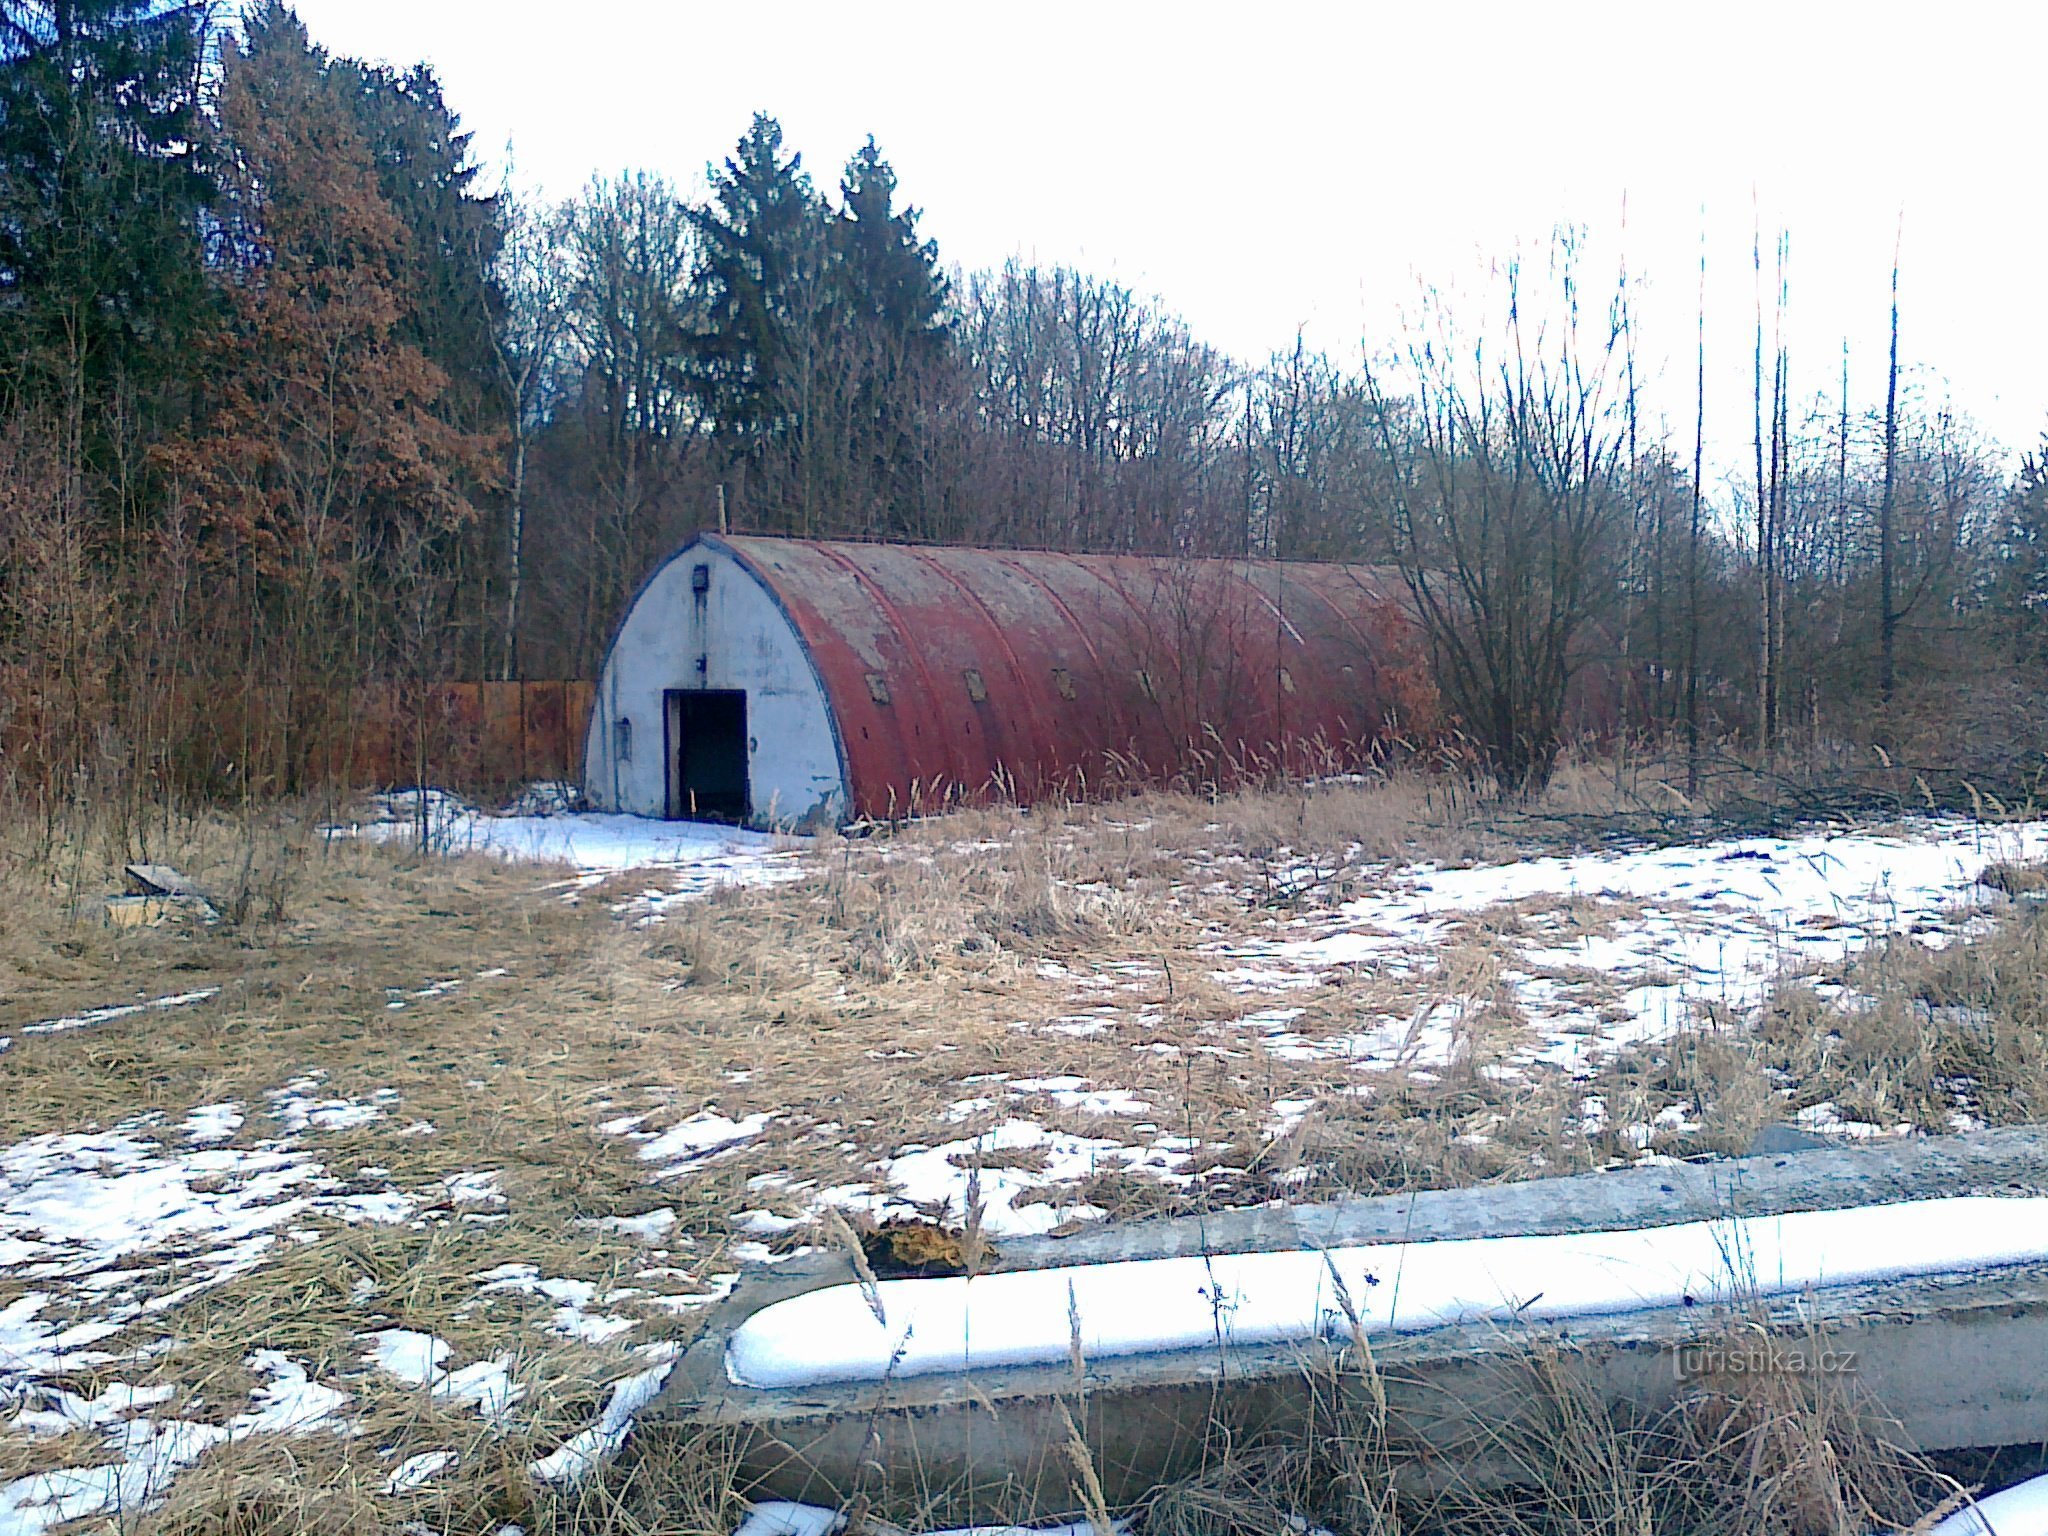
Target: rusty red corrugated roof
(954,673)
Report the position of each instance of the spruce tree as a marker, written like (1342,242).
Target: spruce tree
(2022,581)
(891,278)
(103,191)
(427,176)
(764,253)
(455,231)
(897,306)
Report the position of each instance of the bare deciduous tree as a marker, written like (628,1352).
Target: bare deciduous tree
(632,254)
(528,335)
(1505,505)
(1887,615)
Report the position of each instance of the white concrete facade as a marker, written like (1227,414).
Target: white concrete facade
(721,630)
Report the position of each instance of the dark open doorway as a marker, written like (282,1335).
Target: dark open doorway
(707,755)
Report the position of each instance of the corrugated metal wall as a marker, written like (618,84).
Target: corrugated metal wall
(957,673)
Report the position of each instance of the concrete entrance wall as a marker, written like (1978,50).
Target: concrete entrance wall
(704,621)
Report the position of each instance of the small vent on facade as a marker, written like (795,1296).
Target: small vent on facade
(700,578)
(622,740)
(878,688)
(1063,680)
(977,690)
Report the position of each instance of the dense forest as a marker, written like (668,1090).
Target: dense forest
(294,401)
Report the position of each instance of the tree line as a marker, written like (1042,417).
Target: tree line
(294,400)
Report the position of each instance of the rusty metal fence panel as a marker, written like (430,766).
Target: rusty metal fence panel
(478,736)
(465,737)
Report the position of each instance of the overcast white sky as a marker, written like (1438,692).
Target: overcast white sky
(1278,164)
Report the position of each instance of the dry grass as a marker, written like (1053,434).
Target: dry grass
(856,1006)
(1928,1040)
(1801,1455)
(511,1070)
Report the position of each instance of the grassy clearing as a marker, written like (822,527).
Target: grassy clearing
(1904,1040)
(868,1009)
(510,1067)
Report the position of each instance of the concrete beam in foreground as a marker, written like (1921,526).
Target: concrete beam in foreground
(1946,1361)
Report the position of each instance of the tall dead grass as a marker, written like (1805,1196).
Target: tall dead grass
(1787,1455)
(1906,1039)
(853,1005)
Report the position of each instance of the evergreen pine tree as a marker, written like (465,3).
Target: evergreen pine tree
(2022,588)
(896,303)
(764,253)
(427,177)
(455,230)
(891,278)
(103,189)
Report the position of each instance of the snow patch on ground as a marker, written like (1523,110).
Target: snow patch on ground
(67,1412)
(419,1360)
(94,1016)
(590,1448)
(211,1123)
(112,1231)
(1624,947)
(413,1357)
(417,1471)
(691,1143)
(1076,1093)
(297,1111)
(698,856)
(648,1226)
(935,1180)
(149,1453)
(114,1228)
(574,1299)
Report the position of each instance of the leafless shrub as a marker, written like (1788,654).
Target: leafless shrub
(1505,507)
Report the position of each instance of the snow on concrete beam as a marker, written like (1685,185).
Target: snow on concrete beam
(905,1328)
(1898,1303)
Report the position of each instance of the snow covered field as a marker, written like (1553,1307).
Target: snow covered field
(1618,948)
(120,1238)
(1542,968)
(586,1117)
(109,1239)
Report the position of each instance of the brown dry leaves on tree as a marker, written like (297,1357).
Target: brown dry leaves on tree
(324,448)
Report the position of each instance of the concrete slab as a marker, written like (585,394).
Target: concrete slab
(1948,1362)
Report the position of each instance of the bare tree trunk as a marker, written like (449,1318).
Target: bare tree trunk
(1692,551)
(1756,401)
(516,553)
(1632,553)
(1781,491)
(1769,558)
(1838,545)
(1887,611)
